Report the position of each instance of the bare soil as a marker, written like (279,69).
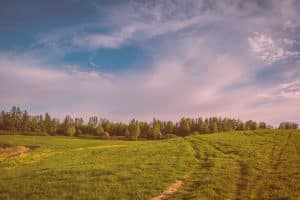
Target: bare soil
(7,152)
(169,191)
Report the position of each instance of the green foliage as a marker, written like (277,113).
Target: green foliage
(214,128)
(288,125)
(205,128)
(185,127)
(155,132)
(262,125)
(134,129)
(251,125)
(100,130)
(17,120)
(70,130)
(105,135)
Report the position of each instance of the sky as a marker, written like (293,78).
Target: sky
(152,58)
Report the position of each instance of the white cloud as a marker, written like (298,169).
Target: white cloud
(268,49)
(137,30)
(289,90)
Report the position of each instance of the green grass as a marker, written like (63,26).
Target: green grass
(239,165)
(245,165)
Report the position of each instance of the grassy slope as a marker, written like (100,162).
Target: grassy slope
(69,168)
(244,165)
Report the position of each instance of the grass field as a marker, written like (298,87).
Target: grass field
(239,165)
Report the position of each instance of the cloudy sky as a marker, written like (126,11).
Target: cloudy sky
(152,58)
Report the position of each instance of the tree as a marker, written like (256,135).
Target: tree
(169,128)
(71,130)
(227,125)
(156,134)
(2,120)
(100,130)
(93,121)
(214,128)
(288,125)
(25,121)
(48,123)
(205,128)
(78,121)
(134,129)
(105,135)
(241,126)
(185,127)
(262,125)
(18,120)
(127,133)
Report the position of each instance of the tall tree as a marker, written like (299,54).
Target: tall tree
(214,127)
(156,134)
(25,121)
(185,126)
(134,129)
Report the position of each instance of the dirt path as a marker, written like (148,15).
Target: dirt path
(7,152)
(99,147)
(169,191)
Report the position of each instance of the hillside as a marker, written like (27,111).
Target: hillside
(261,164)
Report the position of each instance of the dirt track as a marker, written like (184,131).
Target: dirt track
(7,152)
(169,191)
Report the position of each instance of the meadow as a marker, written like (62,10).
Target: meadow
(262,164)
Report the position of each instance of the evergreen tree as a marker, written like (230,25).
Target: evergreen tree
(134,129)
(185,127)
(25,121)
(100,130)
(205,128)
(156,134)
(214,127)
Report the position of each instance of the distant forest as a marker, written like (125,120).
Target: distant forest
(17,120)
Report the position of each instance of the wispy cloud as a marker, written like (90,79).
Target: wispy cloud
(269,50)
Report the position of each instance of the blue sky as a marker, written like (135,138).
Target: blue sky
(145,59)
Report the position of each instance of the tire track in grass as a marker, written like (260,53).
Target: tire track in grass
(297,177)
(278,161)
(260,177)
(241,180)
(175,187)
(202,175)
(194,180)
(240,160)
(288,159)
(275,162)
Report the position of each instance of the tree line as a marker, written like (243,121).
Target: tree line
(17,120)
